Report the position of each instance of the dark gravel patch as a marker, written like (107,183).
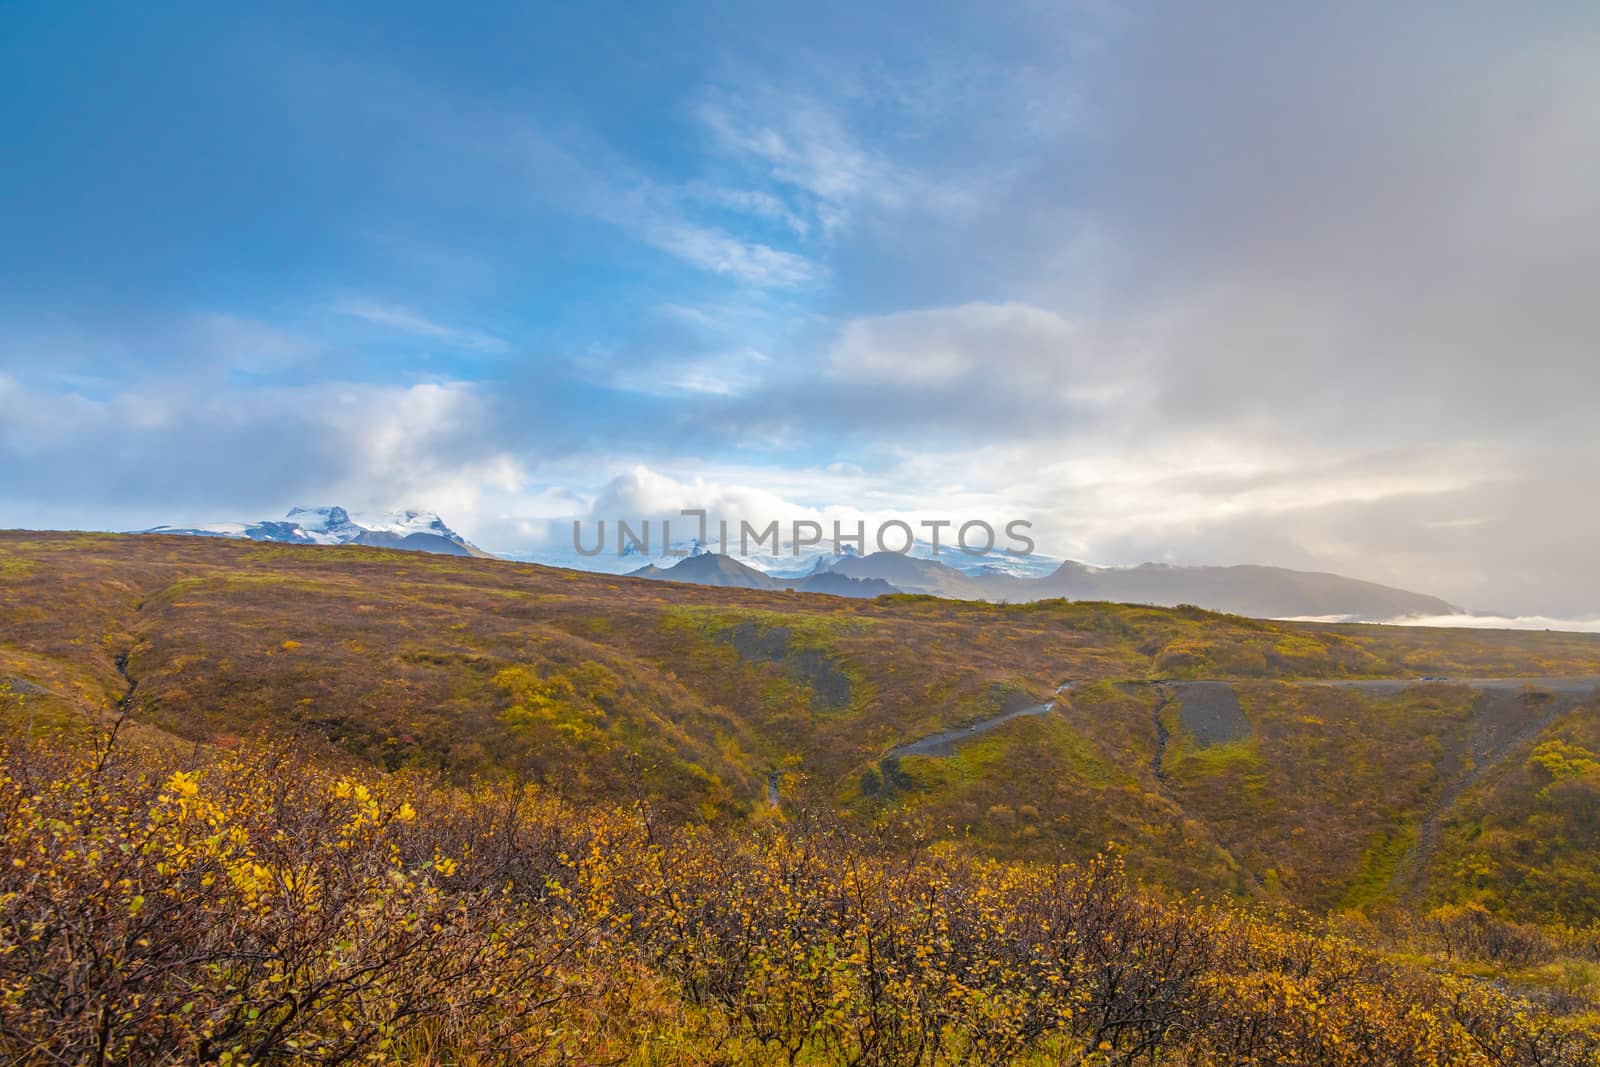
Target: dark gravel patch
(1210,712)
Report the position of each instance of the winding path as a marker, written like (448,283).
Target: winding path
(1495,736)
(945,742)
(1500,727)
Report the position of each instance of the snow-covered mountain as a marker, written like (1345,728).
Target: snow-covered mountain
(416,531)
(786,563)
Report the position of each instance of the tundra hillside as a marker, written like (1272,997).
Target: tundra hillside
(711,700)
(876,752)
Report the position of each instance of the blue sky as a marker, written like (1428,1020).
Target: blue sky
(1240,284)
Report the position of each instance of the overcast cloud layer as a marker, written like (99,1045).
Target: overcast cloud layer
(1195,283)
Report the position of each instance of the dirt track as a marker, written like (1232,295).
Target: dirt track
(1508,713)
(945,742)
(1210,710)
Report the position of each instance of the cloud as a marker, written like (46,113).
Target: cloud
(733,493)
(960,345)
(594,180)
(800,148)
(717,374)
(1346,323)
(1502,622)
(97,355)
(148,456)
(248,344)
(1476,622)
(754,202)
(406,320)
(803,146)
(711,249)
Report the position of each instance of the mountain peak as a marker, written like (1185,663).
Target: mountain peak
(333,521)
(411,528)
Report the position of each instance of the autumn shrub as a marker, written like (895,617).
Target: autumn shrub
(1471,931)
(255,906)
(252,909)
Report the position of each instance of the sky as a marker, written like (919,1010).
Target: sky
(1305,285)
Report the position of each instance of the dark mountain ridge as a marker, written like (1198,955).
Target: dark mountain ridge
(715,569)
(1252,590)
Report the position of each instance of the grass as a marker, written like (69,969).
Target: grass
(1379,863)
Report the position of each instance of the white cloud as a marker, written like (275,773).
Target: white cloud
(199,453)
(752,202)
(594,181)
(714,250)
(249,344)
(724,373)
(802,147)
(407,320)
(1502,622)
(943,346)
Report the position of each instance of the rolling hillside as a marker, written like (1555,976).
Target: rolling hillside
(1262,786)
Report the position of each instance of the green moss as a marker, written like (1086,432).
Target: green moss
(1379,863)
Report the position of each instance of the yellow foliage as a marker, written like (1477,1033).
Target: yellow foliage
(256,908)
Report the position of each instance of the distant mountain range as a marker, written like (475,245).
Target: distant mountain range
(711,568)
(1256,591)
(1260,592)
(415,531)
(789,560)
